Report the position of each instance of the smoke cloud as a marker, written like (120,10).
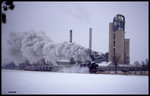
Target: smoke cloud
(36,46)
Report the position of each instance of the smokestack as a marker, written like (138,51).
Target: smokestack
(90,38)
(70,36)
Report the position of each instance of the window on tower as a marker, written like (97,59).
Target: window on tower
(114,43)
(114,51)
(114,36)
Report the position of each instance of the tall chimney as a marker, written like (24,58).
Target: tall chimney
(70,36)
(90,38)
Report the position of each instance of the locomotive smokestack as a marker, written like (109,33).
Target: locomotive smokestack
(70,36)
(90,38)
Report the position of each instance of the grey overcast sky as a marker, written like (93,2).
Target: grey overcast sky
(57,18)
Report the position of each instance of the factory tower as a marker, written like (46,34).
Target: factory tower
(119,47)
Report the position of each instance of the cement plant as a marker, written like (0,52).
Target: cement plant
(34,51)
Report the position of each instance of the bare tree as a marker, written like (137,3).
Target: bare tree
(137,64)
(116,59)
(147,62)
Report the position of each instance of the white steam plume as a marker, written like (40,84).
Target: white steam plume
(35,46)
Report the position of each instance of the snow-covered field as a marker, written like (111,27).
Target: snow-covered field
(34,82)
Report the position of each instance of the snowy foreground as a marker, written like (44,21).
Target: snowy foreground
(34,82)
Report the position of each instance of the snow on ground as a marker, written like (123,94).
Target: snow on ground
(35,82)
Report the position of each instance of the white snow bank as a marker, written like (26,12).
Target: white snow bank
(34,82)
(63,60)
(104,63)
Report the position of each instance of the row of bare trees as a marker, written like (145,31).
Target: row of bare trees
(143,64)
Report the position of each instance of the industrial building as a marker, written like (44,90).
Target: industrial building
(118,49)
(119,46)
